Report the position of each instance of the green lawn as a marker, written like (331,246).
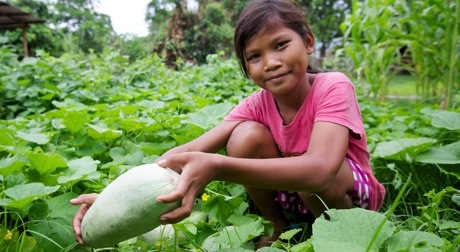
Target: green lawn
(402,85)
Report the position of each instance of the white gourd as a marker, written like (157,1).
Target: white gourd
(127,207)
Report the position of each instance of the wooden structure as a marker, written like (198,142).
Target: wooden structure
(13,18)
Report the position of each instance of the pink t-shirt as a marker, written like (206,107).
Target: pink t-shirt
(331,99)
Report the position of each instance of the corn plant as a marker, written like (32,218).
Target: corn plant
(379,33)
(369,34)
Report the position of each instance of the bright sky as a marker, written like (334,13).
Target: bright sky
(127,16)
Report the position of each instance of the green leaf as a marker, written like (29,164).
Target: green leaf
(446,119)
(45,163)
(6,141)
(211,115)
(306,246)
(447,154)
(413,241)
(57,224)
(233,236)
(290,233)
(397,149)
(99,132)
(13,164)
(131,155)
(152,148)
(79,169)
(149,104)
(75,121)
(33,137)
(22,195)
(220,207)
(350,230)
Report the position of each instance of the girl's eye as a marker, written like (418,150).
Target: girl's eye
(252,57)
(281,44)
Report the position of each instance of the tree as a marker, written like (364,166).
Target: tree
(71,25)
(39,36)
(87,30)
(325,18)
(189,35)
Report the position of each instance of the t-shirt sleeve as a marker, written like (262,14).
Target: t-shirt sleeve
(245,110)
(338,104)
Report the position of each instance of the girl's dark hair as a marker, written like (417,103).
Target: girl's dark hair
(267,15)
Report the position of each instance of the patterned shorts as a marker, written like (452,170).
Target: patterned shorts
(292,202)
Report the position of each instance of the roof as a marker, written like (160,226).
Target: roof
(12,17)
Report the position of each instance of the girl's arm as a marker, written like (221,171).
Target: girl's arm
(311,172)
(212,141)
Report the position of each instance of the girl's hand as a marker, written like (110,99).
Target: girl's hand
(197,169)
(85,200)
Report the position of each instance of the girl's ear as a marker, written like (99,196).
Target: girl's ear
(309,42)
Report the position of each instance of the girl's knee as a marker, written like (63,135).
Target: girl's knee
(252,140)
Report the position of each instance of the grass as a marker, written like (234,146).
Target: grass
(402,85)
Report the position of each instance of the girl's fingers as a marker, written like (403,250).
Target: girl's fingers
(84,199)
(76,222)
(180,213)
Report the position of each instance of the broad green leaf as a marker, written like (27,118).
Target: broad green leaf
(399,148)
(30,190)
(21,195)
(152,148)
(289,234)
(151,104)
(45,163)
(99,132)
(413,241)
(233,236)
(6,141)
(37,138)
(75,121)
(269,249)
(91,147)
(449,224)
(13,164)
(306,246)
(446,119)
(131,155)
(70,104)
(350,230)
(79,169)
(220,207)
(447,154)
(57,224)
(59,206)
(211,115)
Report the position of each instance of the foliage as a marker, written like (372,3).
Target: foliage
(371,30)
(422,37)
(38,36)
(320,15)
(70,26)
(72,124)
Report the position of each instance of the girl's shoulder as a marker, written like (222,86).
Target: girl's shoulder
(332,77)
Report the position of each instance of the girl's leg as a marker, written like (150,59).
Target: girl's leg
(336,196)
(254,140)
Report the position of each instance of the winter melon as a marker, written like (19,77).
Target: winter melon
(127,207)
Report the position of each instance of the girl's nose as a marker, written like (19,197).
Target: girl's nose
(271,63)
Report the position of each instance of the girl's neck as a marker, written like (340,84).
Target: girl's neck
(288,105)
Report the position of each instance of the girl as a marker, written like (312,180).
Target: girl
(296,145)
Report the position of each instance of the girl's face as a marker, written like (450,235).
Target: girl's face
(277,60)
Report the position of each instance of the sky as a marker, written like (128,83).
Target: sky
(126,16)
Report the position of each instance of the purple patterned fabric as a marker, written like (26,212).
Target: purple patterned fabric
(360,196)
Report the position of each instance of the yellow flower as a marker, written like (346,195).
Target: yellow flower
(158,244)
(8,235)
(204,197)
